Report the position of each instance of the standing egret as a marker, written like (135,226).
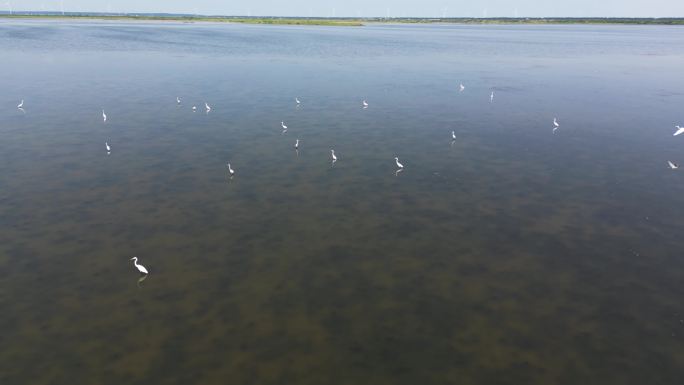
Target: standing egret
(230,170)
(333,156)
(396,159)
(282,124)
(673,165)
(207,107)
(555,124)
(679,130)
(178,101)
(21,105)
(297,144)
(104,117)
(297,100)
(491,97)
(453,135)
(462,87)
(108,148)
(140,268)
(365,104)
(194,108)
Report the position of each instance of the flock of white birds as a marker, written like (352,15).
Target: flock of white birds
(364,104)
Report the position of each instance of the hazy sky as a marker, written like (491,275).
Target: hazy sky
(395,8)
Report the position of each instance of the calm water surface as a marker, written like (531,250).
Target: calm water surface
(510,256)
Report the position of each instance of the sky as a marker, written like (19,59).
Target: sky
(368,8)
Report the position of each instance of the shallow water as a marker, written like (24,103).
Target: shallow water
(511,256)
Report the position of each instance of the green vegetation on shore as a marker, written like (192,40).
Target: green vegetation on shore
(346,21)
(191,19)
(293,21)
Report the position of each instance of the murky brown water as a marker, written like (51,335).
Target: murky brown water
(511,256)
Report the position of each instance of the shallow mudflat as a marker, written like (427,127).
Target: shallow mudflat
(512,255)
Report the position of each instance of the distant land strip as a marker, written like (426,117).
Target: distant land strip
(338,21)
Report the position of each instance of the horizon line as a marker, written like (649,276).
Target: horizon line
(105,13)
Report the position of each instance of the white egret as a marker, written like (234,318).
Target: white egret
(673,165)
(282,124)
(396,159)
(297,100)
(21,105)
(104,117)
(207,107)
(178,101)
(491,97)
(108,148)
(230,170)
(462,87)
(453,135)
(365,104)
(194,108)
(140,268)
(679,130)
(333,156)
(555,124)
(297,144)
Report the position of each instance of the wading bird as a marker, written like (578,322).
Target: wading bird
(104,117)
(178,101)
(555,124)
(231,171)
(396,159)
(297,144)
(207,107)
(453,135)
(21,105)
(673,165)
(333,156)
(365,104)
(462,87)
(679,130)
(108,148)
(140,268)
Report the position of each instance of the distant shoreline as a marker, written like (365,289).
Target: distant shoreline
(345,22)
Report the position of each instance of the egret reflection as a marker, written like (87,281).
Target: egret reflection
(141,279)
